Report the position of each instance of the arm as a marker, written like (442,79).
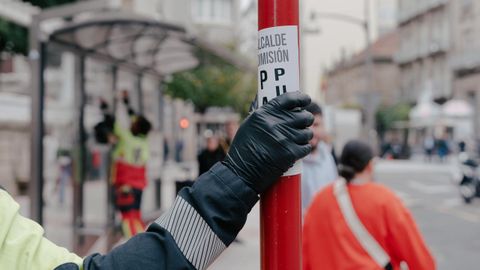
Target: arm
(212,212)
(104,129)
(126,102)
(22,245)
(110,122)
(206,218)
(405,240)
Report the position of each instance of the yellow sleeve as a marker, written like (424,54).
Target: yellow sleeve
(22,245)
(120,132)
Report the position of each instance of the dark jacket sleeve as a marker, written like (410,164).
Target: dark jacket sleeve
(203,221)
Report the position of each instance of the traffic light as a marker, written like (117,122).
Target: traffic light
(184,123)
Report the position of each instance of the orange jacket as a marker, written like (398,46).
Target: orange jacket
(329,244)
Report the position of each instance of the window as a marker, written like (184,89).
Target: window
(467,8)
(212,11)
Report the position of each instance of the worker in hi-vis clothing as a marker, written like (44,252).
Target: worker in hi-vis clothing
(204,218)
(356,223)
(129,169)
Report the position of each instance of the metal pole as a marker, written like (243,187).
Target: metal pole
(81,156)
(161,128)
(110,191)
(114,88)
(140,106)
(369,102)
(280,207)
(161,109)
(37,58)
(303,48)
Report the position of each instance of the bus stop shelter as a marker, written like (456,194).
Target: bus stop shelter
(90,29)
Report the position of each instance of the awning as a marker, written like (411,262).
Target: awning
(457,108)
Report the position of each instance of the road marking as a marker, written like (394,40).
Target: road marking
(458,213)
(453,202)
(407,199)
(430,189)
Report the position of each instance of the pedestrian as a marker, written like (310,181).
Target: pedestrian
(319,168)
(204,219)
(130,157)
(179,150)
(429,147)
(166,149)
(462,146)
(64,175)
(356,223)
(231,128)
(212,153)
(443,148)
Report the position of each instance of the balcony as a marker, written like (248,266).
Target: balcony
(418,50)
(465,60)
(418,8)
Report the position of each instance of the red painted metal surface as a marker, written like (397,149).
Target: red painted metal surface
(280,226)
(280,207)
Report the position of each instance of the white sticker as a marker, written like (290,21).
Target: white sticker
(278,67)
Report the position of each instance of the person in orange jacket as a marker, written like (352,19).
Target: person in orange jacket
(328,240)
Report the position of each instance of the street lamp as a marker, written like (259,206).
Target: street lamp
(369,102)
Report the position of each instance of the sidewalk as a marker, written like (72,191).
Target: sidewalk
(244,254)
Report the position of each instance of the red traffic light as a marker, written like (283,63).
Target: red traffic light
(184,123)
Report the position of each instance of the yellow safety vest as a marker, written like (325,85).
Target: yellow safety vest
(22,245)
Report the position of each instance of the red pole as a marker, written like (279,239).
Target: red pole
(280,207)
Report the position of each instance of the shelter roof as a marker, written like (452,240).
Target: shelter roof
(128,40)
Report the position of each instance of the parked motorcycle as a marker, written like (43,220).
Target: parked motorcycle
(470,177)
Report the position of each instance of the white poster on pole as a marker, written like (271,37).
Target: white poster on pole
(278,67)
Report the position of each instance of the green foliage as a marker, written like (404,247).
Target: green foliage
(48,3)
(387,115)
(14,38)
(214,84)
(352,106)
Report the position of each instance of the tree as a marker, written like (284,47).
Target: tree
(386,116)
(214,83)
(48,3)
(14,38)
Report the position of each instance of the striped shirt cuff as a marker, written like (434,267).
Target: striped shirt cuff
(195,239)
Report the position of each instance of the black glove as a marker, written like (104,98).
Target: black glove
(270,140)
(125,97)
(103,105)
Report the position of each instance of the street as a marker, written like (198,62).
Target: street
(451,228)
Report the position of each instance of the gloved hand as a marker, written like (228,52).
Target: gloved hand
(103,105)
(270,140)
(125,97)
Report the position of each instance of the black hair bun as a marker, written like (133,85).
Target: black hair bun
(346,172)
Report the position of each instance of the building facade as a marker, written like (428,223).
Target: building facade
(214,20)
(465,59)
(347,83)
(249,31)
(425,43)
(386,16)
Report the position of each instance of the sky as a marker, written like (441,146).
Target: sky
(320,50)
